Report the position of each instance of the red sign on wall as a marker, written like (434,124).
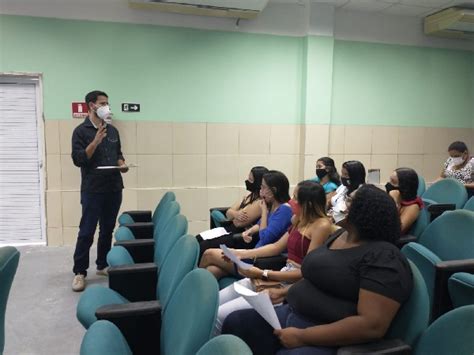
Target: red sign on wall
(79,110)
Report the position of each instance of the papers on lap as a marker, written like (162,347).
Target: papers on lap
(260,302)
(234,258)
(213,233)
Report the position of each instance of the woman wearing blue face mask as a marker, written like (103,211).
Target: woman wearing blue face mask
(459,165)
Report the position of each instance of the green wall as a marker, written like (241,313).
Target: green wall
(189,75)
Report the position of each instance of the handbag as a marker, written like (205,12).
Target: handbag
(261,285)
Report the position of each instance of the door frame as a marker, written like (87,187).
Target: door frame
(37,80)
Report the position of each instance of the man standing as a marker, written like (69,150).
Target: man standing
(95,145)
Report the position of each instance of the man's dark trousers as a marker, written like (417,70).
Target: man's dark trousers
(102,208)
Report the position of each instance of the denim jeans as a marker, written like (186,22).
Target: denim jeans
(99,208)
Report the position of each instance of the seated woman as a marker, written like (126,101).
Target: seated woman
(327,176)
(352,287)
(352,176)
(402,188)
(459,165)
(242,213)
(274,222)
(311,228)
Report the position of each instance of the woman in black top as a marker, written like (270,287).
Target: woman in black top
(351,290)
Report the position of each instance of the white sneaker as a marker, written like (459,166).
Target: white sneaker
(103,272)
(79,283)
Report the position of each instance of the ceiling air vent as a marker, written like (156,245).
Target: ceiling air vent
(454,22)
(244,9)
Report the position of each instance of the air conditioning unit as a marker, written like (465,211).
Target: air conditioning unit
(245,9)
(454,22)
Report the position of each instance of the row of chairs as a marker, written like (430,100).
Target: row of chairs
(165,306)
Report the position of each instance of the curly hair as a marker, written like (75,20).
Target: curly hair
(374,215)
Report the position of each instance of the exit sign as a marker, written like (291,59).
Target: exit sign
(128,107)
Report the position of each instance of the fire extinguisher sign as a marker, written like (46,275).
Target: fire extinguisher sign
(79,110)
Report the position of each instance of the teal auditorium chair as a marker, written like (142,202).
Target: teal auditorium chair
(469,204)
(421,186)
(104,338)
(180,260)
(225,345)
(184,327)
(121,254)
(9,258)
(172,208)
(452,333)
(461,289)
(146,216)
(444,248)
(446,191)
(407,326)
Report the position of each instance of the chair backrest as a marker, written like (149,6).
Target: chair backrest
(421,223)
(461,289)
(452,333)
(450,236)
(9,258)
(170,210)
(125,218)
(123,233)
(225,345)
(469,204)
(176,228)
(181,259)
(413,316)
(188,320)
(118,255)
(421,186)
(167,198)
(104,338)
(447,191)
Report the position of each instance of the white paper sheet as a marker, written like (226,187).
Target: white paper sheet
(106,167)
(213,233)
(261,303)
(234,258)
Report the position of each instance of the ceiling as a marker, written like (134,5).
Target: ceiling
(411,8)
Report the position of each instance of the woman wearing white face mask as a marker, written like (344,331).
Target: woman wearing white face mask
(459,165)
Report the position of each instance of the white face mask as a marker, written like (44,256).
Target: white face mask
(105,114)
(457,160)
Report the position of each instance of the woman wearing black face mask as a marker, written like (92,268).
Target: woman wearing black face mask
(327,176)
(352,176)
(402,187)
(242,213)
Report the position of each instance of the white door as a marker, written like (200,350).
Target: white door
(21,155)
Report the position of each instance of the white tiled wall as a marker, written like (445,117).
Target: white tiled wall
(206,164)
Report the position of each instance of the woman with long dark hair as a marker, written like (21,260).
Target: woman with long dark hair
(402,187)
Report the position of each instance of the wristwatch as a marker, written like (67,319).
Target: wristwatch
(265,275)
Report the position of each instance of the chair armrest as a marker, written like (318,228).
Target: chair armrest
(271,262)
(135,282)
(405,239)
(141,250)
(389,346)
(141,230)
(139,322)
(443,271)
(140,216)
(436,209)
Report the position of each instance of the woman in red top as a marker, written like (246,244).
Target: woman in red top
(311,228)
(403,187)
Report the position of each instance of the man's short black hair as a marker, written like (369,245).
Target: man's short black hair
(93,95)
(458,146)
